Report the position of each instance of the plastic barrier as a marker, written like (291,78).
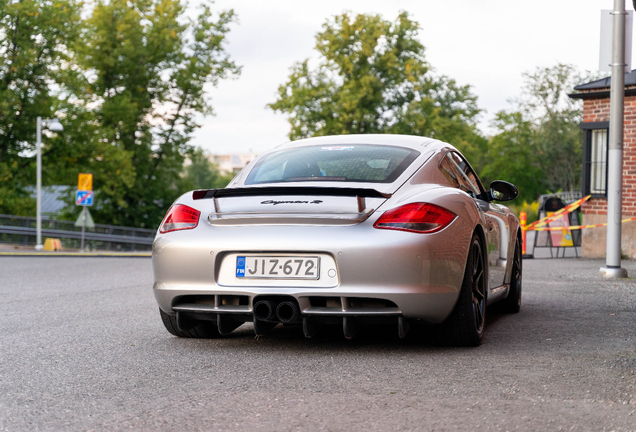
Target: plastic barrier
(52,244)
(565,238)
(556,215)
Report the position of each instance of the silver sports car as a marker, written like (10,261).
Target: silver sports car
(344,230)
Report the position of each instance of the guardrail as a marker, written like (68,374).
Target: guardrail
(22,230)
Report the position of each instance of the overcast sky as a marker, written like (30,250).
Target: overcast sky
(487,44)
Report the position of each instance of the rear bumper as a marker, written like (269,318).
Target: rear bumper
(420,275)
(430,307)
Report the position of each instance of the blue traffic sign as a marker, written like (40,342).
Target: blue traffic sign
(84,198)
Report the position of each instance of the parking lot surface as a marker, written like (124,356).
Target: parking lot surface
(82,348)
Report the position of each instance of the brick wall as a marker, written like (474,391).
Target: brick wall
(598,110)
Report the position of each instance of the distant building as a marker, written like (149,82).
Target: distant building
(232,163)
(52,199)
(595,125)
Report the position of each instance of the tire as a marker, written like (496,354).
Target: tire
(512,303)
(202,329)
(465,325)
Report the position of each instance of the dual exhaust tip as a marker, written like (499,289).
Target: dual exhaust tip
(269,310)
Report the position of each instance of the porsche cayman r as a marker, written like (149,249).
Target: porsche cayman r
(343,230)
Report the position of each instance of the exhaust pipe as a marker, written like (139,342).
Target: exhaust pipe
(287,312)
(264,310)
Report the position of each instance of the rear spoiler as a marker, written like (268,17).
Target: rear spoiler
(286,190)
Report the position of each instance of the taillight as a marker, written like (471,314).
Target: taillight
(416,217)
(180,217)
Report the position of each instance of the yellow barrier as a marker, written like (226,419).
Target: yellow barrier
(539,225)
(52,244)
(556,215)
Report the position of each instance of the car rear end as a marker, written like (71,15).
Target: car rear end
(317,250)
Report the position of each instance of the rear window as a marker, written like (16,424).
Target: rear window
(346,163)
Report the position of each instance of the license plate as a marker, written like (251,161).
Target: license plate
(278,267)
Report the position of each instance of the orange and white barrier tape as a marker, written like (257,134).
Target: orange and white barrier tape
(556,215)
(540,224)
(578,227)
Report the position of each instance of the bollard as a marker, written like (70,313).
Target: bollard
(523,217)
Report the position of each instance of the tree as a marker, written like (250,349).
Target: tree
(372,77)
(203,174)
(556,117)
(35,37)
(128,82)
(545,122)
(142,71)
(512,156)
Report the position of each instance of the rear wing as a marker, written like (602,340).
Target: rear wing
(326,216)
(287,190)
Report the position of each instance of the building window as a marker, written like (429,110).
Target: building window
(595,143)
(598,162)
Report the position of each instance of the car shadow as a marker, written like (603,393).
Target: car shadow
(290,338)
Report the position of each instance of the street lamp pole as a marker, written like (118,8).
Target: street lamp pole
(613,267)
(38,186)
(54,126)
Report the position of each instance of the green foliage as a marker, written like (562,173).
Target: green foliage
(35,36)
(538,144)
(147,68)
(203,174)
(128,82)
(372,77)
(13,199)
(512,157)
(530,208)
(556,116)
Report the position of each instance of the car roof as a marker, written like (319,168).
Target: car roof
(427,147)
(409,141)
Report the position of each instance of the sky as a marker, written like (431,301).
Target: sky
(486,44)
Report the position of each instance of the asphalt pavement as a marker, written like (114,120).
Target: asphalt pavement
(82,347)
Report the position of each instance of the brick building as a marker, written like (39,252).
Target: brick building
(595,125)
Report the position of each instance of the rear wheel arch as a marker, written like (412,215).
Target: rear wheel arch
(479,230)
(465,325)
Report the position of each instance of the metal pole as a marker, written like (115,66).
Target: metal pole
(83,227)
(38,186)
(612,267)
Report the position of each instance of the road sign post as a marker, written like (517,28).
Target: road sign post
(83,227)
(84,198)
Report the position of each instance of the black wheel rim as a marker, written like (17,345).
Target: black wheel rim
(478,287)
(517,272)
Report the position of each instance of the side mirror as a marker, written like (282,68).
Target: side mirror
(502,191)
